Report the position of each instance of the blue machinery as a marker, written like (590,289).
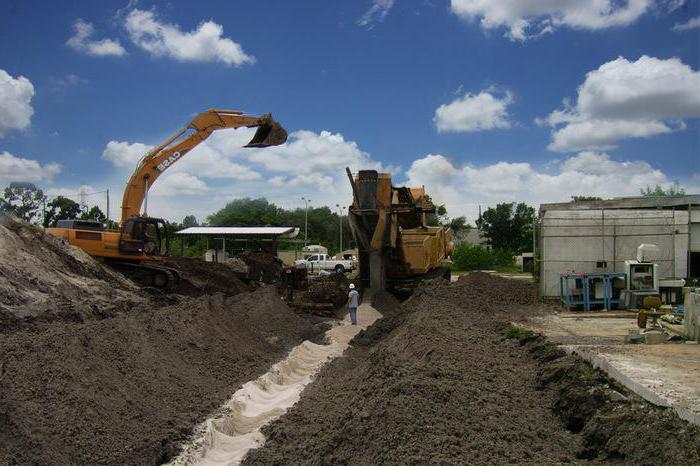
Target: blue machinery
(583,289)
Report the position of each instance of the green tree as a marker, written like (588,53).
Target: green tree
(658,191)
(24,200)
(60,208)
(189,221)
(458,224)
(585,198)
(509,226)
(324,224)
(439,218)
(247,212)
(95,213)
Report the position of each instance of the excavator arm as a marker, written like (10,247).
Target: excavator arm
(159,159)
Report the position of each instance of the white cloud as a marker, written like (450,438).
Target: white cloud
(692,23)
(205,160)
(173,184)
(310,164)
(623,99)
(529,18)
(81,41)
(15,102)
(25,170)
(309,152)
(463,188)
(204,44)
(125,154)
(474,112)
(376,13)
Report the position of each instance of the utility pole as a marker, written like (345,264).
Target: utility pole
(341,208)
(107,205)
(306,220)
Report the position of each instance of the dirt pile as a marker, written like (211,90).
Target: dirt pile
(441,387)
(262,266)
(438,382)
(125,390)
(42,278)
(199,277)
(331,289)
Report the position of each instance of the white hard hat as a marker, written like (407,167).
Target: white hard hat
(352,286)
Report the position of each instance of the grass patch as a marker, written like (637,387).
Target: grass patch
(507,269)
(588,374)
(516,331)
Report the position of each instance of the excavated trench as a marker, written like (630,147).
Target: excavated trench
(228,436)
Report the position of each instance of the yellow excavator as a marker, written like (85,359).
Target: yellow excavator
(397,247)
(138,247)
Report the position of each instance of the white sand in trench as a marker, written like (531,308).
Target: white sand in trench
(226,438)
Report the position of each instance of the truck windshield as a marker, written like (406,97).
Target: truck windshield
(312,258)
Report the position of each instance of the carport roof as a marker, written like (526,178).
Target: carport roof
(286,232)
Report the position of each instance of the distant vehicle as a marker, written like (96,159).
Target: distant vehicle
(323,262)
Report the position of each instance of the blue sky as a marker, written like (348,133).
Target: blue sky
(359,86)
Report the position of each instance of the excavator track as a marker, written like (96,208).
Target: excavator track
(151,275)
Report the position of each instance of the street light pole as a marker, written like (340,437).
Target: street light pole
(306,220)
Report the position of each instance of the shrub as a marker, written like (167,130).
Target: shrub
(502,257)
(475,257)
(472,257)
(515,331)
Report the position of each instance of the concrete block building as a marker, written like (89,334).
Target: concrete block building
(598,236)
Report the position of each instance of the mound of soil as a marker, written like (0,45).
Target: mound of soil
(325,295)
(443,386)
(125,390)
(262,266)
(436,381)
(199,277)
(42,278)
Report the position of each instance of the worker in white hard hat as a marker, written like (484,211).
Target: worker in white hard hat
(353,303)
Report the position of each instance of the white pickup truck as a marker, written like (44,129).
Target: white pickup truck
(318,262)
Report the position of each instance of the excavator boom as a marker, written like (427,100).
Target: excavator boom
(159,159)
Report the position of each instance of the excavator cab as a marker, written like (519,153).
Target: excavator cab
(268,134)
(144,235)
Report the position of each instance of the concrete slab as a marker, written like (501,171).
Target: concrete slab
(666,374)
(584,330)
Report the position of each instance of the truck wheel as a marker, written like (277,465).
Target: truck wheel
(339,268)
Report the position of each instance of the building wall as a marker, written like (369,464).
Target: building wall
(576,240)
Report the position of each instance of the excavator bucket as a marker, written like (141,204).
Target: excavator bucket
(268,134)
